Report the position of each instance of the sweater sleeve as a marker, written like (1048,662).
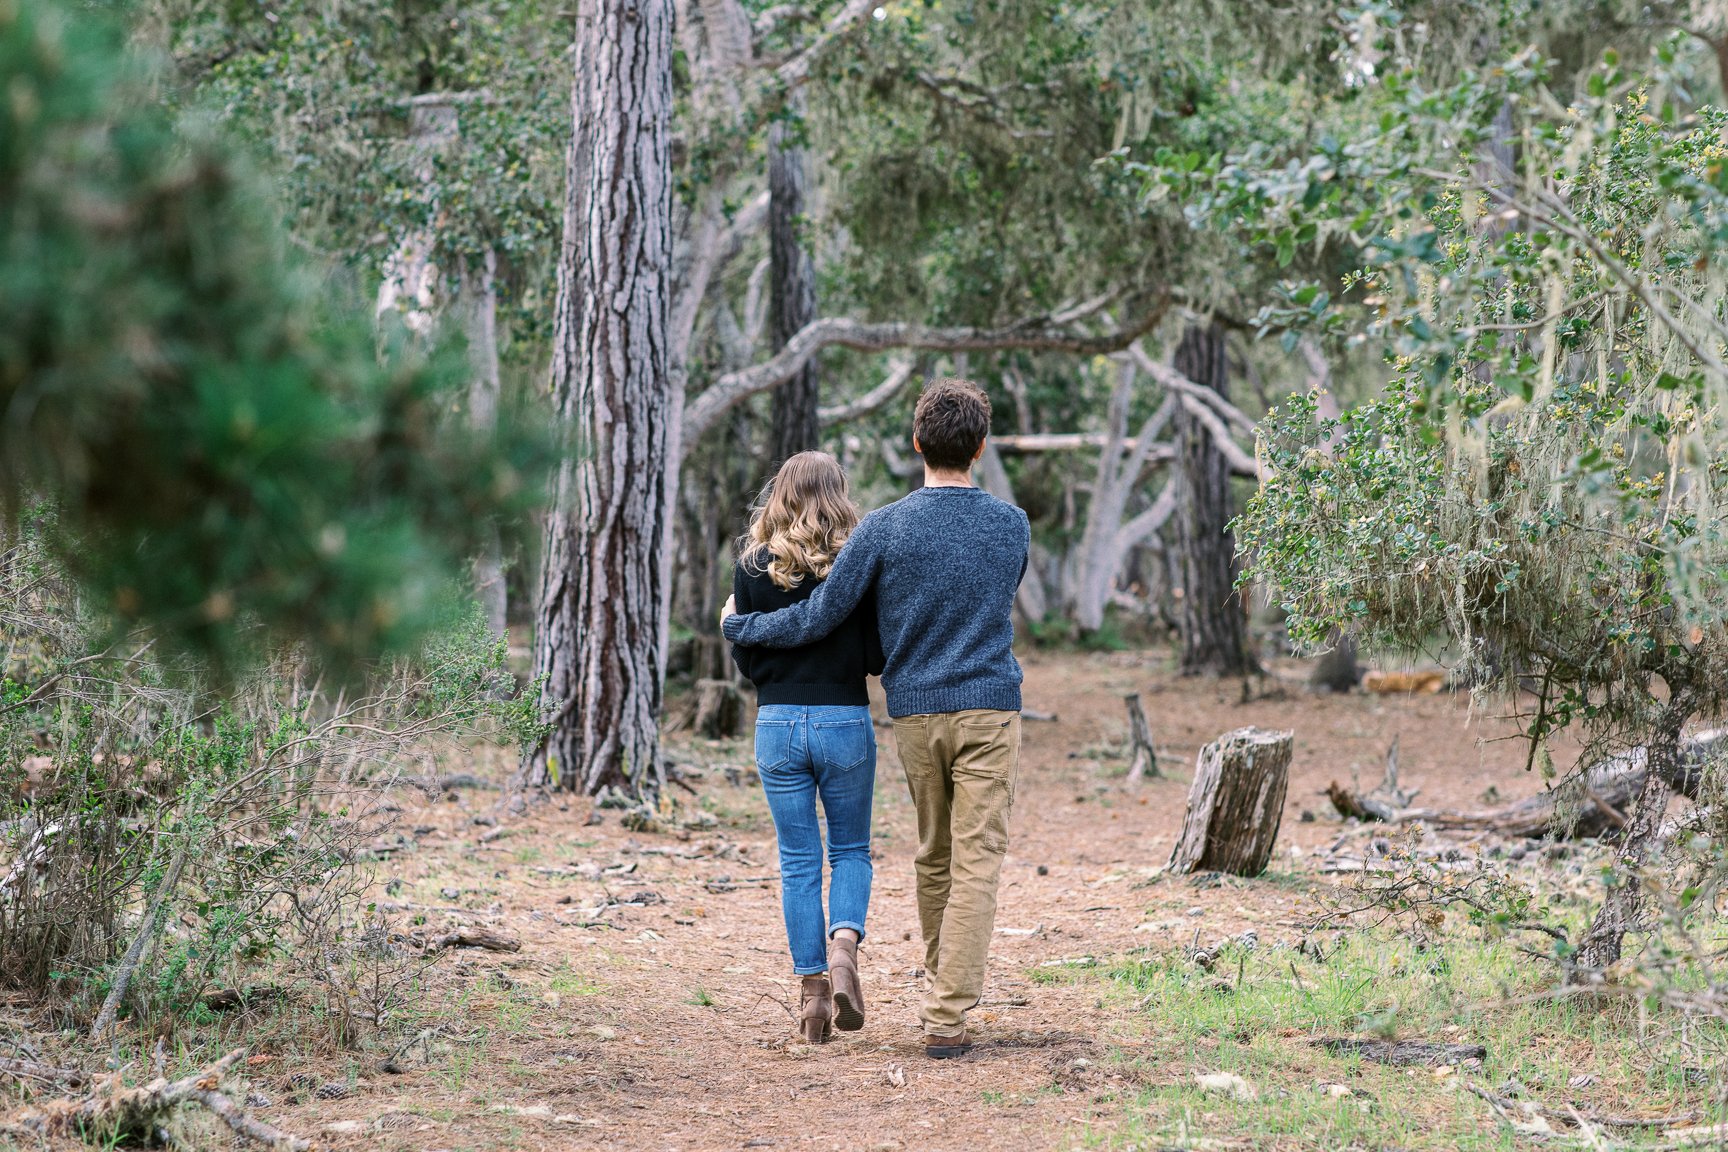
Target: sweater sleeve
(741,600)
(874,658)
(853,575)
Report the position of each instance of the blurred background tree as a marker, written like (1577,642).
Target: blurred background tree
(227,450)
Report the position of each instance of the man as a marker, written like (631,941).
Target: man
(944,563)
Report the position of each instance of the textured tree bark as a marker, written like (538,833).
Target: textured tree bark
(792,298)
(480,303)
(1641,842)
(1235,804)
(599,644)
(1208,612)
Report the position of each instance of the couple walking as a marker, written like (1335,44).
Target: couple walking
(918,592)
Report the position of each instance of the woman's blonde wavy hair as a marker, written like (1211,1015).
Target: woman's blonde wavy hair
(800,521)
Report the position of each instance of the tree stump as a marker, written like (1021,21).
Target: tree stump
(1235,804)
(719,709)
(1144,758)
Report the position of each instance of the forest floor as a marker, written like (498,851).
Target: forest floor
(650,1004)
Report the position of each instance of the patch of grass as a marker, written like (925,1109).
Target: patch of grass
(566,981)
(1061,971)
(1256,1012)
(700,998)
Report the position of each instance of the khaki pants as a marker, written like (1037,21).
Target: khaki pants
(961,768)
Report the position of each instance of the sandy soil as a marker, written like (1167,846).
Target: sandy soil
(665,1023)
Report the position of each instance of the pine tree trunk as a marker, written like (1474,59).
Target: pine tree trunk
(601,627)
(1208,612)
(792,299)
(480,302)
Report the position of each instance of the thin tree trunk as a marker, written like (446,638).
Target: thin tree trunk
(792,301)
(480,297)
(599,643)
(1623,908)
(1208,612)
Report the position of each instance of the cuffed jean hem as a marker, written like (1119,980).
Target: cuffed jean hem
(839,924)
(797,971)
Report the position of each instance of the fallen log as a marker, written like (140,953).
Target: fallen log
(1592,803)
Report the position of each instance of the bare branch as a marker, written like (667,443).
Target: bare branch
(1176,382)
(1035,334)
(714,245)
(140,944)
(1240,461)
(899,373)
(446,99)
(1026,445)
(796,71)
(1147,522)
(770,21)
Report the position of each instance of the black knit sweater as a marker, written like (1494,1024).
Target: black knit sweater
(825,672)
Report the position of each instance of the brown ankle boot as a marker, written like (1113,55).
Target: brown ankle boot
(848,993)
(815,1009)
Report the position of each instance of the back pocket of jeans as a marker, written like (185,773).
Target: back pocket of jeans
(773,744)
(844,744)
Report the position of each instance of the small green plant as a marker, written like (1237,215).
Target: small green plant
(701,999)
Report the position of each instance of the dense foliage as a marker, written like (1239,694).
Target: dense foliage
(1542,478)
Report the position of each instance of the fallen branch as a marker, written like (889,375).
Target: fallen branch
(1574,1116)
(119,1115)
(46,1073)
(476,938)
(1591,803)
(1401,1052)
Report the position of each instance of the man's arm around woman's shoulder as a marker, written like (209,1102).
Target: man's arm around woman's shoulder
(853,575)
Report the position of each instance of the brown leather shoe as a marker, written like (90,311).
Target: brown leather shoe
(815,1009)
(848,993)
(947,1047)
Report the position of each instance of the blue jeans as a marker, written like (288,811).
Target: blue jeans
(802,752)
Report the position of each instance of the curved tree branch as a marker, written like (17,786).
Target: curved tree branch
(1147,522)
(797,70)
(899,373)
(1035,334)
(1176,382)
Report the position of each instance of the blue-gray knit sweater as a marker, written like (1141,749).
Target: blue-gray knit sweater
(945,564)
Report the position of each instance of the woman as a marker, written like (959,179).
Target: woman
(813,733)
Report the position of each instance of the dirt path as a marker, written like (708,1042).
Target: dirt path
(649,1007)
